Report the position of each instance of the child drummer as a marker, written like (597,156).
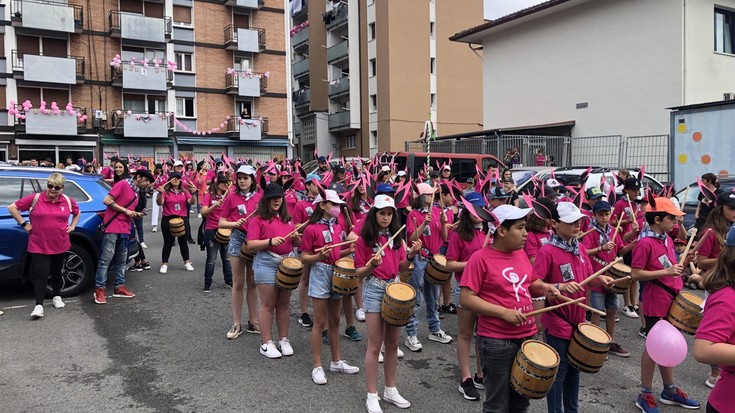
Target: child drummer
(654,261)
(564,262)
(497,284)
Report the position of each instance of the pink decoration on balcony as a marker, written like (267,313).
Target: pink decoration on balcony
(130,112)
(137,117)
(22,116)
(56,111)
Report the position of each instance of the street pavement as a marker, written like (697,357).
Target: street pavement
(165,351)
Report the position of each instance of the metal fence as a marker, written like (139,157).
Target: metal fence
(651,151)
(604,151)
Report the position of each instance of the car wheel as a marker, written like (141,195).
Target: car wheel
(77,272)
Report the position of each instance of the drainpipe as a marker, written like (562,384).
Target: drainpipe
(289,80)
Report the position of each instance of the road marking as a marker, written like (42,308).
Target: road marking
(15,307)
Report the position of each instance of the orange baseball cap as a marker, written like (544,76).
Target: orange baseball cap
(664,205)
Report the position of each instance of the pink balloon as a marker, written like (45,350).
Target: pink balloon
(666,345)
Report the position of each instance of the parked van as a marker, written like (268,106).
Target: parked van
(464,165)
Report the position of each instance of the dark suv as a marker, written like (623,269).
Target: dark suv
(80,262)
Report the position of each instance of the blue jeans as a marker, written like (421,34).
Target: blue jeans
(212,248)
(497,357)
(139,229)
(113,255)
(430,294)
(566,383)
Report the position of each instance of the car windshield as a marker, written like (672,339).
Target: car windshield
(520,177)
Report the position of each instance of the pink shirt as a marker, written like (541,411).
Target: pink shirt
(534,242)
(553,265)
(260,229)
(291,201)
(391,257)
(652,255)
(318,235)
(124,195)
(107,172)
(215,214)
(431,239)
(592,241)
(303,210)
(718,326)
(621,210)
(461,250)
(709,247)
(504,279)
(49,221)
(237,206)
(585,223)
(175,204)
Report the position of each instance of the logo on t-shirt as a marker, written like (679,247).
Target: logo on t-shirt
(664,260)
(309,211)
(327,235)
(241,209)
(427,231)
(512,277)
(177,207)
(566,272)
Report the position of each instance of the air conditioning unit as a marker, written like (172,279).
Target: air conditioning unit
(728,96)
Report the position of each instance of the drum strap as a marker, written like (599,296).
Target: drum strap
(561,315)
(105,224)
(599,261)
(666,288)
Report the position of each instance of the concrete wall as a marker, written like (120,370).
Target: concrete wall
(142,78)
(142,28)
(49,69)
(48,17)
(42,124)
(149,126)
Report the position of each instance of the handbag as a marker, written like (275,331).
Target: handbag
(103,226)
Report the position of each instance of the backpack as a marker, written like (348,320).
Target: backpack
(38,195)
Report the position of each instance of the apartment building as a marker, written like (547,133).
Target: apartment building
(143,78)
(369,74)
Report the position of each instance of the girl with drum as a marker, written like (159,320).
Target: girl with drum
(444,197)
(175,202)
(271,234)
(238,206)
(378,271)
(627,210)
(211,211)
(466,239)
(715,339)
(322,231)
(301,213)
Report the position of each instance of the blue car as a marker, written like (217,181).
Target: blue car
(80,262)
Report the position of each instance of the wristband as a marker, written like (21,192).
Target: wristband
(557,286)
(270,242)
(23,224)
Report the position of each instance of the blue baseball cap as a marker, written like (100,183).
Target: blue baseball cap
(730,240)
(313,176)
(594,193)
(385,188)
(601,206)
(476,199)
(322,159)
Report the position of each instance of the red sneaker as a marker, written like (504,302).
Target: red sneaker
(99,295)
(122,292)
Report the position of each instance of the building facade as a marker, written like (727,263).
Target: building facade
(85,79)
(368,74)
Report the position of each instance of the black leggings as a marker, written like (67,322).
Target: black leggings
(168,239)
(711,409)
(43,266)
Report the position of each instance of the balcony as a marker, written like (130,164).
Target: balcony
(39,123)
(339,20)
(246,84)
(300,39)
(248,129)
(339,121)
(245,40)
(302,98)
(301,68)
(303,12)
(339,87)
(246,4)
(151,80)
(338,52)
(50,69)
(138,28)
(47,15)
(141,124)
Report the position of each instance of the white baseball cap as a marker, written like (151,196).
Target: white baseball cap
(246,169)
(568,212)
(385,168)
(384,201)
(401,173)
(446,167)
(553,183)
(507,212)
(331,197)
(178,163)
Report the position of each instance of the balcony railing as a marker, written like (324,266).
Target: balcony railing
(138,77)
(244,40)
(338,52)
(47,15)
(138,124)
(339,86)
(302,97)
(248,4)
(339,20)
(250,84)
(52,69)
(137,27)
(339,120)
(301,68)
(35,122)
(251,129)
(300,38)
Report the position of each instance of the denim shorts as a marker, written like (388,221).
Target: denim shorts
(603,300)
(265,267)
(373,290)
(237,238)
(320,282)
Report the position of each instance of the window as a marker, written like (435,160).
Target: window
(724,31)
(373,139)
(371,31)
(432,29)
(433,101)
(432,65)
(184,62)
(348,142)
(12,189)
(373,70)
(185,107)
(373,103)
(182,15)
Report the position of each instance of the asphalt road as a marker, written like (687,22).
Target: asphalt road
(166,351)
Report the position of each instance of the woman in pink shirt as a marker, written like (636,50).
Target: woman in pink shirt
(175,201)
(359,203)
(267,235)
(48,236)
(715,339)
(211,211)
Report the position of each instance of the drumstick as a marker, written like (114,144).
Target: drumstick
(613,282)
(296,230)
(699,244)
(487,238)
(329,247)
(389,241)
(584,234)
(554,307)
(585,306)
(689,245)
(632,213)
(247,218)
(617,229)
(601,271)
(684,200)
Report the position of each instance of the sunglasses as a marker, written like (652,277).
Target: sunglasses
(54,187)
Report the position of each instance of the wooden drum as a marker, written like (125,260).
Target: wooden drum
(685,312)
(534,369)
(436,272)
(289,273)
(245,254)
(406,275)
(617,271)
(344,280)
(177,227)
(222,235)
(398,302)
(588,348)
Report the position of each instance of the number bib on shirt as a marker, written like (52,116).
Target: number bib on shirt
(327,235)
(566,272)
(665,261)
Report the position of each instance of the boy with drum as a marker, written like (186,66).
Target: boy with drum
(654,261)
(497,284)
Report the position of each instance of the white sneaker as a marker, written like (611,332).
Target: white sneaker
(57,302)
(629,312)
(391,395)
(37,312)
(441,337)
(413,343)
(342,367)
(164,269)
(188,266)
(373,403)
(142,244)
(269,350)
(154,229)
(199,216)
(399,354)
(360,314)
(318,376)
(285,346)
